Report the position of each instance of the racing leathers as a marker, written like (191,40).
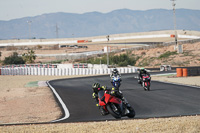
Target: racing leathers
(141,73)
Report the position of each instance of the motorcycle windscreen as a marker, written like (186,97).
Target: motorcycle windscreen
(100,94)
(116,78)
(101,98)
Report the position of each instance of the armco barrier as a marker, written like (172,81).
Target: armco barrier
(193,71)
(62,71)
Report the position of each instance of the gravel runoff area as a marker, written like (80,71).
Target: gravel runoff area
(23,101)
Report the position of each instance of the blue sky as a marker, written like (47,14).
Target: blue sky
(12,9)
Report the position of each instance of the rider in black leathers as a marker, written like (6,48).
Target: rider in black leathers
(142,72)
(96,88)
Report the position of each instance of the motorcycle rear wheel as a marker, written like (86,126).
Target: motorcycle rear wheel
(111,108)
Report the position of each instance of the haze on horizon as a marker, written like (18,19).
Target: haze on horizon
(27,8)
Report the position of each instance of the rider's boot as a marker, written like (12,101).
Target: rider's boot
(139,82)
(102,110)
(125,102)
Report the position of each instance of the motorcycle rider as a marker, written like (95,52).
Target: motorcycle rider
(114,73)
(114,91)
(96,88)
(142,72)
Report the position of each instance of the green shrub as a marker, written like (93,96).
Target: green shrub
(187,53)
(13,59)
(120,60)
(29,57)
(167,54)
(144,62)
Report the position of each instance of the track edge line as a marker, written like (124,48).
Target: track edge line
(66,111)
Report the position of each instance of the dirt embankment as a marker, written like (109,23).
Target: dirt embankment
(153,58)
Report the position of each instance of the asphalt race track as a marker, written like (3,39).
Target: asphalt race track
(163,100)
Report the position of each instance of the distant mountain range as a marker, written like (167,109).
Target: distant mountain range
(71,25)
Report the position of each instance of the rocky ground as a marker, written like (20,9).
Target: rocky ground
(23,101)
(151,58)
(147,57)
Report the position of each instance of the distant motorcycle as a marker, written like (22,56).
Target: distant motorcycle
(146,82)
(116,81)
(114,106)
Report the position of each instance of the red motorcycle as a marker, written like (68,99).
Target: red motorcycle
(114,105)
(146,82)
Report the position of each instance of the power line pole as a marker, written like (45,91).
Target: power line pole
(174,14)
(107,50)
(177,47)
(29,23)
(57,31)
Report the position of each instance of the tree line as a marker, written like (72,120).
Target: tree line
(117,60)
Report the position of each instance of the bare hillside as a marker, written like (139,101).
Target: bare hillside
(168,56)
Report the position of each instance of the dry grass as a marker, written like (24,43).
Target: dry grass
(188,124)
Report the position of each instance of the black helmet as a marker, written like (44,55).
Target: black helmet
(96,85)
(115,70)
(142,69)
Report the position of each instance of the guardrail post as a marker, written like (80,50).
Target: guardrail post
(73,71)
(58,71)
(70,71)
(53,71)
(76,71)
(86,71)
(90,71)
(39,71)
(101,71)
(45,71)
(125,70)
(66,71)
(63,71)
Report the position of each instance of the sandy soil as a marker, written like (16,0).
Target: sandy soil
(23,101)
(188,124)
(20,104)
(91,47)
(180,80)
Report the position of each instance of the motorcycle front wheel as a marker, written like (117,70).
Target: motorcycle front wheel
(114,110)
(143,85)
(148,86)
(132,112)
